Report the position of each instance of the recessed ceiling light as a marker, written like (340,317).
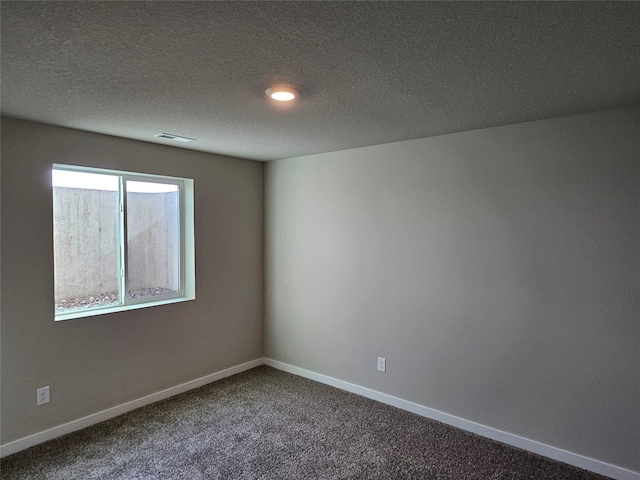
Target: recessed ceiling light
(282,94)
(177,138)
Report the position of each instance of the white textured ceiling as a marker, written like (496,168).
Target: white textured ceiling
(368,72)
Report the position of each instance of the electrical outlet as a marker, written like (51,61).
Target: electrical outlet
(42,396)
(382,364)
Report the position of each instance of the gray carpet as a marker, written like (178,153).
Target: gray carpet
(267,424)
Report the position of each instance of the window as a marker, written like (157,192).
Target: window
(122,240)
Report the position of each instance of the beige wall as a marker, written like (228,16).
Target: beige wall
(95,363)
(496,270)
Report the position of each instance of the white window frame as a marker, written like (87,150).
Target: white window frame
(187,247)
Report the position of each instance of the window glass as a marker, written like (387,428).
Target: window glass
(85,219)
(153,240)
(121,240)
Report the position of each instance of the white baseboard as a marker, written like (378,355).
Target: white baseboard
(40,437)
(532,446)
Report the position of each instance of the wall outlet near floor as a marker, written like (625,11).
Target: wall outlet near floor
(42,396)
(382,364)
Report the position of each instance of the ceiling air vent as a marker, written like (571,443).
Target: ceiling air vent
(177,138)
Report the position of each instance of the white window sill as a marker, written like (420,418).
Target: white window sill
(90,312)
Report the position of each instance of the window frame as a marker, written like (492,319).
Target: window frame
(186,292)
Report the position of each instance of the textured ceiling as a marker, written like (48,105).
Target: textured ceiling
(368,72)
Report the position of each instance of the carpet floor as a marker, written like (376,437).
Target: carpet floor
(267,424)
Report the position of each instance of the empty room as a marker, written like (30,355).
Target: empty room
(320,240)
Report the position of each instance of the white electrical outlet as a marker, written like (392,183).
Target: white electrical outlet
(382,364)
(42,396)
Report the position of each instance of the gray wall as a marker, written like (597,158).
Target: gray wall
(153,240)
(496,270)
(85,241)
(95,363)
